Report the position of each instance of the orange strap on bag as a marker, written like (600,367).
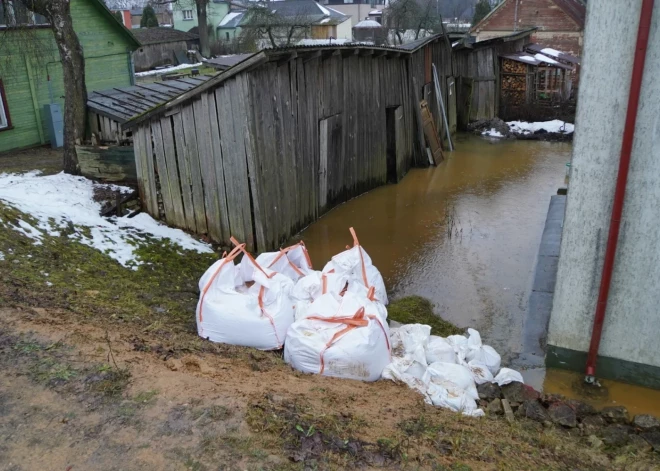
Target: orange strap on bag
(226,258)
(357,320)
(241,248)
(356,243)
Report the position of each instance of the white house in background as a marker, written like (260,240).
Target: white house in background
(185,15)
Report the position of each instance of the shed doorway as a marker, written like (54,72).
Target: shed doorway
(393,125)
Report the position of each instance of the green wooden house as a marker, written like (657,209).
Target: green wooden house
(31,72)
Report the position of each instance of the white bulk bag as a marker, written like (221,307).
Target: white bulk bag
(439,349)
(331,304)
(354,346)
(451,376)
(485,354)
(257,317)
(356,264)
(292,261)
(299,257)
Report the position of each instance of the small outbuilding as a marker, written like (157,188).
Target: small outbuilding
(163,46)
(370,31)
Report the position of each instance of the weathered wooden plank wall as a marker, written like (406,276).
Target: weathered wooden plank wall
(267,151)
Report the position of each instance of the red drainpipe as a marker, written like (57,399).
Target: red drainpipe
(621,180)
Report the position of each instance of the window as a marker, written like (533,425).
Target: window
(227,33)
(15,13)
(5,120)
(187,15)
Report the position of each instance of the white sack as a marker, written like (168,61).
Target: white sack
(439,349)
(310,287)
(480,372)
(451,376)
(453,398)
(482,353)
(332,305)
(361,353)
(506,376)
(230,314)
(298,255)
(407,338)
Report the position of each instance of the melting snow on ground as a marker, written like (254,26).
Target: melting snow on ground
(64,203)
(555,125)
(167,70)
(492,132)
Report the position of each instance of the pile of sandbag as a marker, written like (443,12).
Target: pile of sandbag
(331,322)
(334,322)
(445,370)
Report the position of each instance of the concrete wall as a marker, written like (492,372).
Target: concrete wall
(632,321)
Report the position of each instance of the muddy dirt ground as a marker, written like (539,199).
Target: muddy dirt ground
(101,369)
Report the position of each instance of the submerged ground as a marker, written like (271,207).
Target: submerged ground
(101,369)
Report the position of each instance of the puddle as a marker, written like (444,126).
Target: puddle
(638,400)
(494,196)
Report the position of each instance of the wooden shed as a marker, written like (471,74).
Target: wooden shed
(109,109)
(267,146)
(477,66)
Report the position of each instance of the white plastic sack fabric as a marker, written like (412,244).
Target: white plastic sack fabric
(299,256)
(310,287)
(482,353)
(455,399)
(439,349)
(275,261)
(480,372)
(506,376)
(451,376)
(356,263)
(235,315)
(351,345)
(408,338)
(333,305)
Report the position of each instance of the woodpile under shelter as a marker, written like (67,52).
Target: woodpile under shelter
(477,69)
(537,77)
(264,148)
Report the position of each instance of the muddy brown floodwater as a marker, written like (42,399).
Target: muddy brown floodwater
(492,197)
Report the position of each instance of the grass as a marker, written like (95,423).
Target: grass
(419,310)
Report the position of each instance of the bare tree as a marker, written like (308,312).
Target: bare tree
(58,15)
(405,17)
(201,8)
(260,21)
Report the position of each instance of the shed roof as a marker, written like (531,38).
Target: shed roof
(267,55)
(553,53)
(535,59)
(225,62)
(161,34)
(313,12)
(123,104)
(576,9)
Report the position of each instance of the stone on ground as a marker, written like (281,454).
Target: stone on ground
(562,414)
(615,414)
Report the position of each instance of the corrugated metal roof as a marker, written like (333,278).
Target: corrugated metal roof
(123,104)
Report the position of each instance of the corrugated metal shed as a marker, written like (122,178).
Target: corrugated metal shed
(123,104)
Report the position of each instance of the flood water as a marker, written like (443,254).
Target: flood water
(495,197)
(464,234)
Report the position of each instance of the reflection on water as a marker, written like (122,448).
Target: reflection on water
(637,400)
(494,196)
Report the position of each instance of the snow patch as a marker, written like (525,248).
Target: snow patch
(555,125)
(527,58)
(546,59)
(551,51)
(64,201)
(492,132)
(228,17)
(167,70)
